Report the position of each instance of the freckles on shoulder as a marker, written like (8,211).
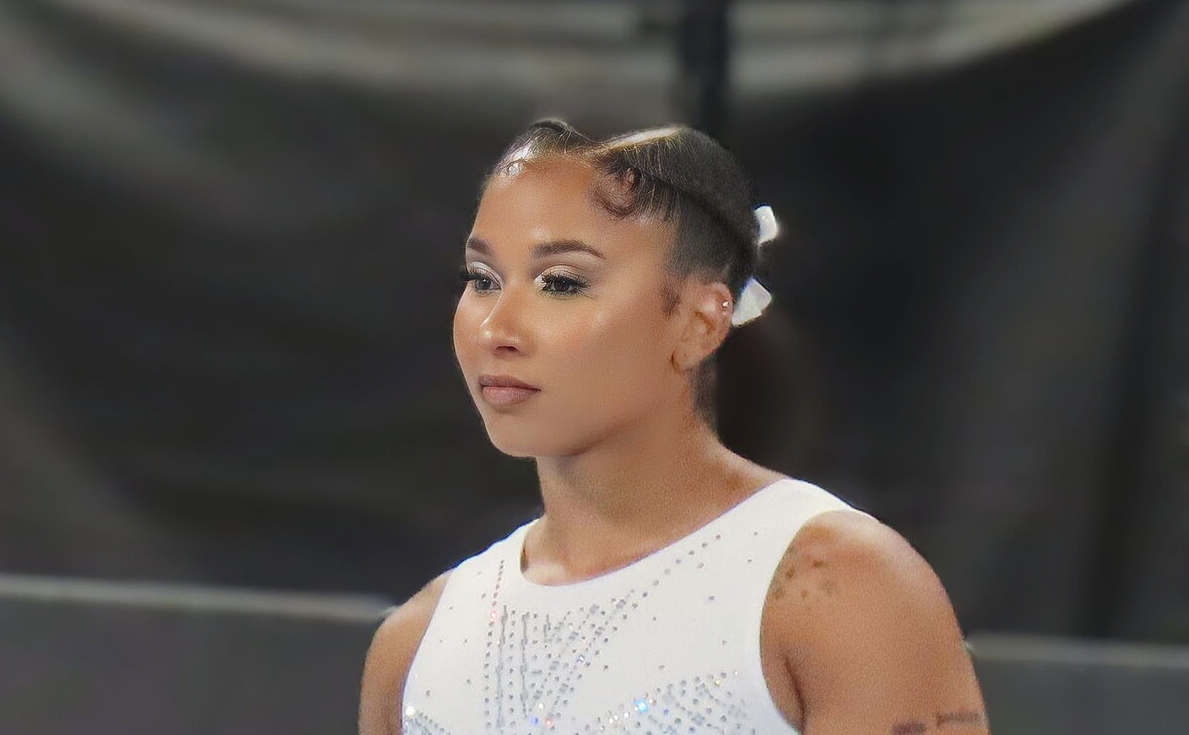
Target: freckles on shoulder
(827,546)
(847,567)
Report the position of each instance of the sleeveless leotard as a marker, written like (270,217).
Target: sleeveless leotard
(668,644)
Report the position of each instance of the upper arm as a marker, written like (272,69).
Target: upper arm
(870,636)
(389,657)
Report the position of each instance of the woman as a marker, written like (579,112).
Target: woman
(670,586)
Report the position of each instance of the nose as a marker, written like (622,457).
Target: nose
(503,326)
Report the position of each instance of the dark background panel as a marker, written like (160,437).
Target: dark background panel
(133,658)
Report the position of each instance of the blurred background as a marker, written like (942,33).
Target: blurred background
(232,431)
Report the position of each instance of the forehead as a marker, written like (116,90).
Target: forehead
(554,199)
(561,181)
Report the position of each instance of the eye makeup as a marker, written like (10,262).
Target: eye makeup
(555,284)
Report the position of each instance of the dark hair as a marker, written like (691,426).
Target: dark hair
(680,175)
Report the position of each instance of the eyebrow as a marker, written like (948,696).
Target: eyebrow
(541,250)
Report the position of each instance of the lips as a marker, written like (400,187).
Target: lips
(504,390)
(504,381)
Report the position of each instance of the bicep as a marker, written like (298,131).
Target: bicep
(381,676)
(389,657)
(879,649)
(896,679)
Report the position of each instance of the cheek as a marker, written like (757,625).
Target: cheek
(610,350)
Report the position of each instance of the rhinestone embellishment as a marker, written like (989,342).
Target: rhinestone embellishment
(537,667)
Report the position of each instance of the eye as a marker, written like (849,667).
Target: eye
(563,285)
(558,285)
(466,275)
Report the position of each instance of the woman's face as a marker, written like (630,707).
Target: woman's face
(599,352)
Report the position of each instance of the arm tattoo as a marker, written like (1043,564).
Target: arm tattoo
(946,720)
(959,718)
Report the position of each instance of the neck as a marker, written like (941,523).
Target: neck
(631,494)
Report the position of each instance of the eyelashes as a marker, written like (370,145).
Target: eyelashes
(554,284)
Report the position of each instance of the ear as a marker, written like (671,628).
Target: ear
(706,322)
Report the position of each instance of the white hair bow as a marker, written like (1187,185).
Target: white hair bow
(755,298)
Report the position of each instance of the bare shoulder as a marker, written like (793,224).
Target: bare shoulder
(869,634)
(839,545)
(389,657)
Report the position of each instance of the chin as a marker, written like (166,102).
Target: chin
(514,447)
(525,443)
